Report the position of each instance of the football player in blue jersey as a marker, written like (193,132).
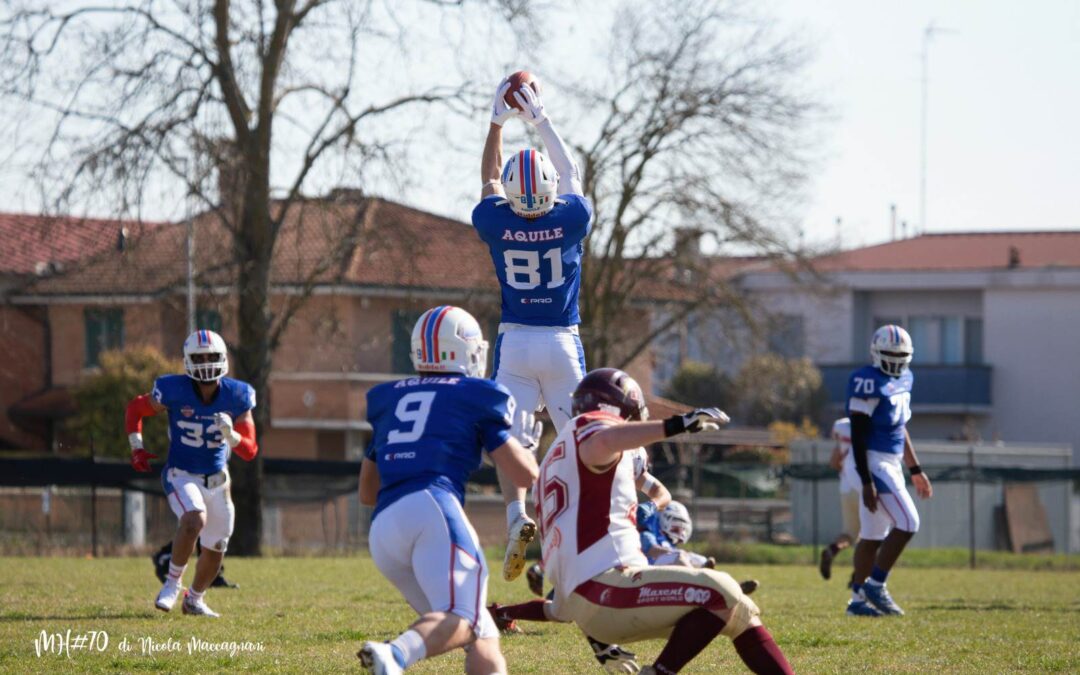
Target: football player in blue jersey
(534,217)
(209,417)
(428,433)
(879,407)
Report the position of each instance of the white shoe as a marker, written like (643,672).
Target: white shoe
(167,596)
(522,532)
(378,658)
(197,607)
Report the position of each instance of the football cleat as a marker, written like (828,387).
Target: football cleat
(535,577)
(522,532)
(749,586)
(825,566)
(861,608)
(613,658)
(167,596)
(878,596)
(710,563)
(504,623)
(197,607)
(378,658)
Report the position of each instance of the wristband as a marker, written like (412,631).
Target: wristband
(135,440)
(915,470)
(674,425)
(648,484)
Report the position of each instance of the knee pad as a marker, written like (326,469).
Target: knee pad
(741,615)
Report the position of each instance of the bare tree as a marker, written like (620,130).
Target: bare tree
(146,91)
(700,139)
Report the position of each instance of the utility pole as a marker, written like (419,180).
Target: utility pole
(189,248)
(928,33)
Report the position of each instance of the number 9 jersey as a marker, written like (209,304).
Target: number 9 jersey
(195,442)
(537,260)
(427,431)
(886,401)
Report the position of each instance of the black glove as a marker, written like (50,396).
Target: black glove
(702,419)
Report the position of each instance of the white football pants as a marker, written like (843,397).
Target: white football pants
(895,507)
(541,366)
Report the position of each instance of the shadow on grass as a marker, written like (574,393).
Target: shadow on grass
(968,605)
(88,615)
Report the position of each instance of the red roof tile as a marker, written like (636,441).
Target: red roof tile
(31,242)
(961,251)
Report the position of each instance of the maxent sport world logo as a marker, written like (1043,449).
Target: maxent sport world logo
(673,595)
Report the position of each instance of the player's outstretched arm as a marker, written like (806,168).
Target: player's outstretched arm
(604,447)
(141,406)
(533,112)
(491,161)
(516,463)
(918,478)
(369,482)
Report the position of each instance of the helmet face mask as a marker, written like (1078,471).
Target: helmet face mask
(206,357)
(891,350)
(612,391)
(448,339)
(531,183)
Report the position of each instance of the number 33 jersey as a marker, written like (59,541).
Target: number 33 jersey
(886,401)
(428,432)
(195,442)
(537,260)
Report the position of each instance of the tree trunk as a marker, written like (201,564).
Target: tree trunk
(255,243)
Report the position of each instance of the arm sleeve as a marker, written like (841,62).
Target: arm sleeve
(496,415)
(137,409)
(861,429)
(569,173)
(247,448)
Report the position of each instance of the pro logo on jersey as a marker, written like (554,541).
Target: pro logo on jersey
(187,411)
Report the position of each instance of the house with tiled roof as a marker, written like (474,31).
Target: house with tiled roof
(994,317)
(367,267)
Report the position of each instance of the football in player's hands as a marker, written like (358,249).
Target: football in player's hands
(518,80)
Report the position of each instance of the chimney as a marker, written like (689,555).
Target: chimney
(687,243)
(1014,257)
(892,222)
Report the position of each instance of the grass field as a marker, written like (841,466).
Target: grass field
(310,615)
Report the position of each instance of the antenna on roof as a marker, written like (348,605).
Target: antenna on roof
(892,222)
(903,229)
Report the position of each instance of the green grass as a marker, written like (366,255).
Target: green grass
(311,614)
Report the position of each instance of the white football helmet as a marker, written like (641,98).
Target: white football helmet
(891,350)
(531,183)
(448,339)
(210,369)
(675,523)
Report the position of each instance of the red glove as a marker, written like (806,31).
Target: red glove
(140,460)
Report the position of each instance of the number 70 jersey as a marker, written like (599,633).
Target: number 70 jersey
(537,260)
(886,401)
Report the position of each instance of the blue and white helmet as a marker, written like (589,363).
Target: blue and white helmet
(211,367)
(448,339)
(891,350)
(531,183)
(675,523)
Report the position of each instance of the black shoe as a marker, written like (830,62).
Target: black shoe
(749,586)
(535,576)
(826,563)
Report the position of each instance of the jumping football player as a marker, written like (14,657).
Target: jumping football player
(879,407)
(209,417)
(534,218)
(843,461)
(592,552)
(428,433)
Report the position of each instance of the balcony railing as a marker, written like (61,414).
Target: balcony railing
(959,388)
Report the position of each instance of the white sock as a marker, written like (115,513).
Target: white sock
(195,595)
(411,645)
(175,572)
(513,510)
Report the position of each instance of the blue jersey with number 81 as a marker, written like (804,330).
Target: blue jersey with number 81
(428,432)
(537,260)
(886,401)
(195,442)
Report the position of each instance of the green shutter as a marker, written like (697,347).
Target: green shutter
(104,331)
(208,319)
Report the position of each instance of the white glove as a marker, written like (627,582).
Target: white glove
(500,110)
(532,430)
(532,107)
(224,423)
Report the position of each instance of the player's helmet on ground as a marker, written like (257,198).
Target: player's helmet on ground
(891,350)
(530,182)
(610,390)
(447,339)
(675,523)
(206,357)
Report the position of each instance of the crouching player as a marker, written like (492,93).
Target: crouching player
(209,417)
(428,432)
(592,552)
(663,531)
